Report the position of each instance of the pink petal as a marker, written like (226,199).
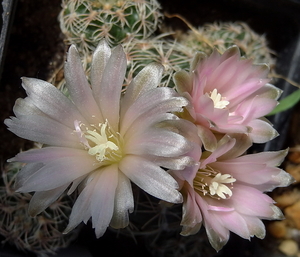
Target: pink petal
(256,226)
(262,131)
(269,158)
(250,201)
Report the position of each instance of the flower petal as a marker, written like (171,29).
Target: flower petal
(102,200)
(111,86)
(47,154)
(152,102)
(148,78)
(79,88)
(158,142)
(96,201)
(123,203)
(25,107)
(269,158)
(100,59)
(151,178)
(51,101)
(41,200)
(183,81)
(250,201)
(27,171)
(43,130)
(262,131)
(58,172)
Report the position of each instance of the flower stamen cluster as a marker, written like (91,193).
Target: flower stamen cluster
(101,142)
(212,183)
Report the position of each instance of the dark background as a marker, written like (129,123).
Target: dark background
(35,48)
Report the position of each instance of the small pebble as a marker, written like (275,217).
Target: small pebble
(294,170)
(289,247)
(292,214)
(288,198)
(277,229)
(294,157)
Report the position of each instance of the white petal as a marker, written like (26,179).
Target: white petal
(43,130)
(146,121)
(47,154)
(96,200)
(100,59)
(79,88)
(178,163)
(148,78)
(111,86)
(102,200)
(26,172)
(59,172)
(81,210)
(123,203)
(51,101)
(25,107)
(41,200)
(151,178)
(152,102)
(158,142)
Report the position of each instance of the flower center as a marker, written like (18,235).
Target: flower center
(219,101)
(101,141)
(212,183)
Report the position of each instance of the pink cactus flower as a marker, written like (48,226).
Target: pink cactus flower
(99,139)
(227,191)
(228,95)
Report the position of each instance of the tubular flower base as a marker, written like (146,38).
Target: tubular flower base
(228,95)
(226,193)
(99,140)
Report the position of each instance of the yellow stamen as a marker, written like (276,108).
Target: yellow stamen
(219,101)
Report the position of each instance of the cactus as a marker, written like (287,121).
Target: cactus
(41,234)
(223,35)
(172,55)
(86,22)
